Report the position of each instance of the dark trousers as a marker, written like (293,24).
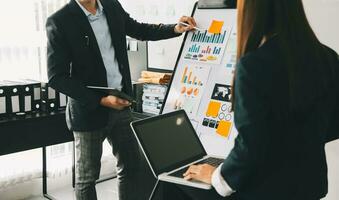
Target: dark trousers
(172,191)
(125,149)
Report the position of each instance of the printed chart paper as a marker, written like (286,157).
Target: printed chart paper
(218,116)
(231,50)
(205,47)
(189,87)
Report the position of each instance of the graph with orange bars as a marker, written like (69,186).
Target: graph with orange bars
(191,83)
(189,78)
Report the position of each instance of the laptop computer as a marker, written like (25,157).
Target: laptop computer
(170,145)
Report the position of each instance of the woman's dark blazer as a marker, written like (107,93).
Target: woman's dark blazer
(279,155)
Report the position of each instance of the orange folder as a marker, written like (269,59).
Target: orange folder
(224,128)
(216,27)
(213,109)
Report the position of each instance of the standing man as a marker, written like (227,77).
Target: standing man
(87,46)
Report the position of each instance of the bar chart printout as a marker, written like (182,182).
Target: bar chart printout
(205,37)
(190,79)
(191,84)
(206,47)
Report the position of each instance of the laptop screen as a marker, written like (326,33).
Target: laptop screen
(169,141)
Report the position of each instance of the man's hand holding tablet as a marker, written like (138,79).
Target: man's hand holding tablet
(115,98)
(114,102)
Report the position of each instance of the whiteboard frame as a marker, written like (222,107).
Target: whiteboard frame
(177,62)
(159,69)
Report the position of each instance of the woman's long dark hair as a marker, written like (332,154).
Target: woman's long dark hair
(260,19)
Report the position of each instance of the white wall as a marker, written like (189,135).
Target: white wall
(161,54)
(324,18)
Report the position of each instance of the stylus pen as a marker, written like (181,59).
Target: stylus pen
(185,24)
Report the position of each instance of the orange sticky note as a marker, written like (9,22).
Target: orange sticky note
(224,128)
(213,109)
(216,27)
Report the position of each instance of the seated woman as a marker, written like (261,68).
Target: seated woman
(286,107)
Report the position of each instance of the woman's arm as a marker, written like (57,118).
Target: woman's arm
(334,127)
(251,111)
(333,133)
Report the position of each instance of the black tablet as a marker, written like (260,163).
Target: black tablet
(113,92)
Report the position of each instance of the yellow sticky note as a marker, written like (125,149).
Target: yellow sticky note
(216,27)
(213,109)
(224,128)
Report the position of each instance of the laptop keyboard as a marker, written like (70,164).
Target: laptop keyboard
(215,162)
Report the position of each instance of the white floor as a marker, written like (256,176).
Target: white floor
(106,191)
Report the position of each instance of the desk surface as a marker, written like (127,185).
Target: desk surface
(37,130)
(33,131)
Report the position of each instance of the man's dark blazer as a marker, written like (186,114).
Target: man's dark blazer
(74,59)
(278,154)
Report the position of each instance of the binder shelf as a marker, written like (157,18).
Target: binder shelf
(24,96)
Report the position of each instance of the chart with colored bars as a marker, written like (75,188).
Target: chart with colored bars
(231,50)
(191,85)
(188,78)
(208,38)
(196,49)
(207,47)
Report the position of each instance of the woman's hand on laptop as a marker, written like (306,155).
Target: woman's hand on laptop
(114,102)
(201,173)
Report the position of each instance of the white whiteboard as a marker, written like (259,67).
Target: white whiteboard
(197,79)
(163,54)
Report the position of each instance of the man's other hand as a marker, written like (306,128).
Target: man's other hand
(181,28)
(114,102)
